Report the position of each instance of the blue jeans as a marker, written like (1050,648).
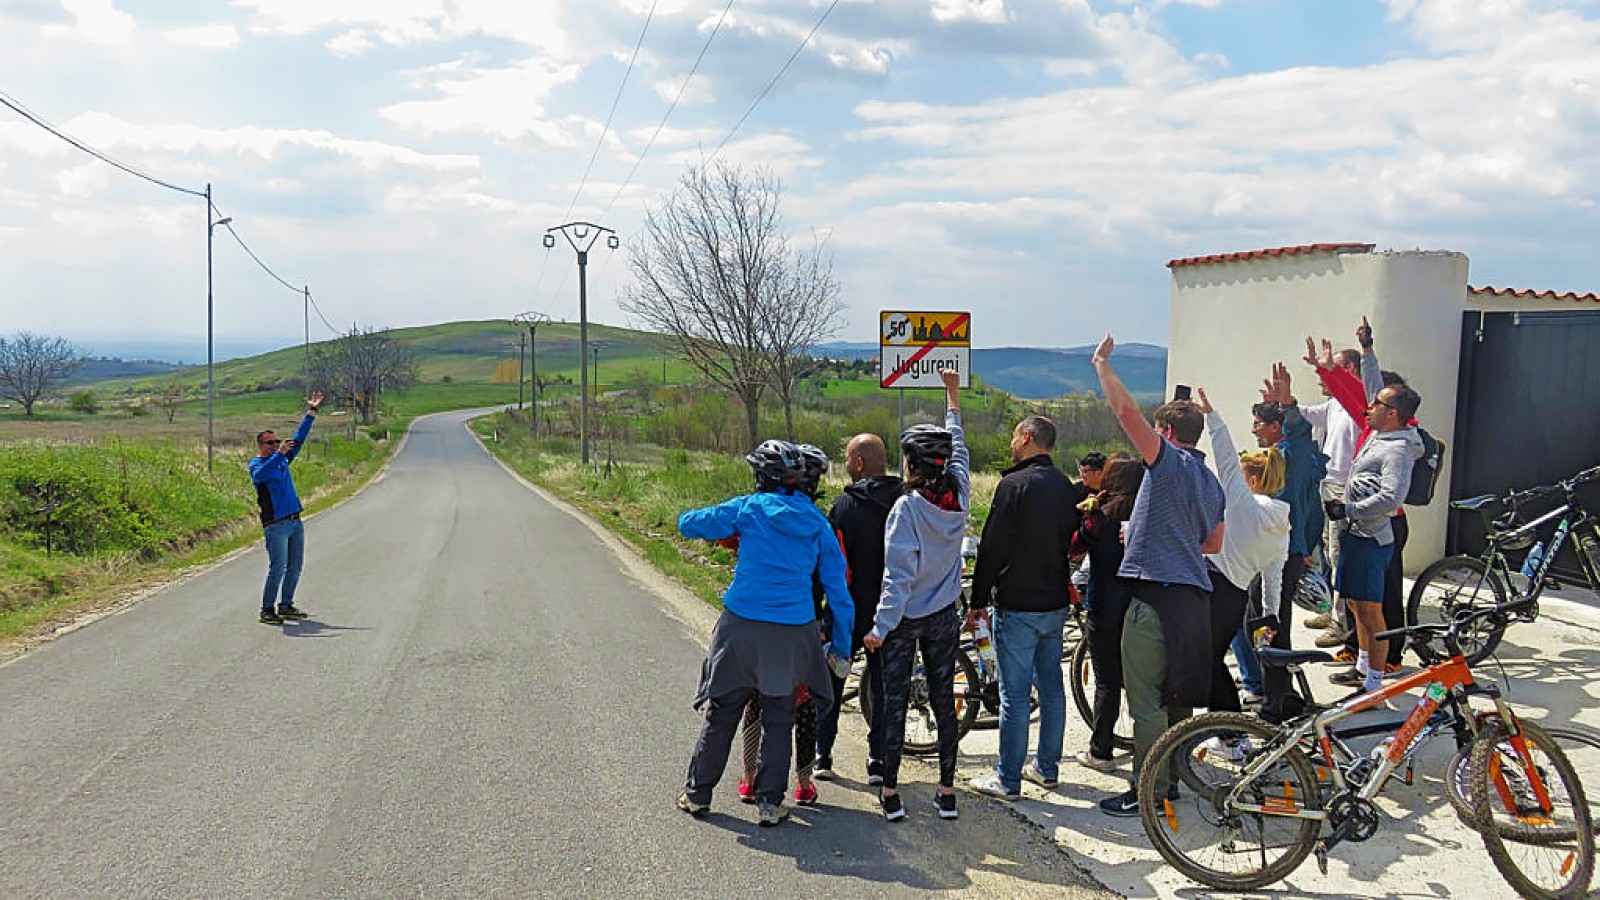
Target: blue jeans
(1027,646)
(286,550)
(1250,671)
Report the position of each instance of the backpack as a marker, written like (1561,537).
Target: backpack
(1425,470)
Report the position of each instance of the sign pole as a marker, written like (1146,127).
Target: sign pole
(902,428)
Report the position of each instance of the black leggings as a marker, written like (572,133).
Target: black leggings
(1104,626)
(1228,603)
(938,635)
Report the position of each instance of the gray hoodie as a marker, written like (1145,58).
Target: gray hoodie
(922,548)
(1379,479)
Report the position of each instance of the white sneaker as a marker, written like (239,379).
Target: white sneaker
(1249,697)
(992,786)
(1089,760)
(1233,751)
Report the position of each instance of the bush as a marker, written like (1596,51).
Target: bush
(83,402)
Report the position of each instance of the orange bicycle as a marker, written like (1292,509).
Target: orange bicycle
(1259,796)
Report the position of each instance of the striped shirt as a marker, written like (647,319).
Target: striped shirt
(1179,504)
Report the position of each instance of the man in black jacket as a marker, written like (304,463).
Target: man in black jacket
(1024,570)
(859,516)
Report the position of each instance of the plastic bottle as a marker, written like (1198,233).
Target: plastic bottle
(982,643)
(1530,566)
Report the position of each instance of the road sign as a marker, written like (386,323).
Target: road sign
(913,346)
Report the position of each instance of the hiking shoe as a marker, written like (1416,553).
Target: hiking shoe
(1090,761)
(268,617)
(1348,678)
(1030,772)
(747,791)
(994,787)
(874,771)
(1122,805)
(805,794)
(771,814)
(692,808)
(822,770)
(1320,620)
(1331,637)
(893,808)
(947,805)
(292,612)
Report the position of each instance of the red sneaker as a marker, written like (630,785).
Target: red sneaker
(805,794)
(747,791)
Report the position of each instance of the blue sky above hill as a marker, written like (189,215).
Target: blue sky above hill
(1033,161)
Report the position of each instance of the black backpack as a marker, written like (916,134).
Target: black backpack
(1425,470)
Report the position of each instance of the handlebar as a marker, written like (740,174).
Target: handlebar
(1449,631)
(1561,487)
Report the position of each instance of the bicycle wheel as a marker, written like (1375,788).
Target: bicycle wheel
(1456,585)
(1204,836)
(1579,743)
(1540,847)
(1081,669)
(922,730)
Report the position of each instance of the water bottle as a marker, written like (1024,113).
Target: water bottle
(982,643)
(1530,566)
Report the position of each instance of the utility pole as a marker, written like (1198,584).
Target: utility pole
(582,235)
(521,348)
(211,383)
(533,320)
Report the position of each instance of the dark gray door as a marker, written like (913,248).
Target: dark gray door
(1528,411)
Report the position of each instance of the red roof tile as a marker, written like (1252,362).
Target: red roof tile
(1247,255)
(1532,295)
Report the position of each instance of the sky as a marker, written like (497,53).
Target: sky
(1034,162)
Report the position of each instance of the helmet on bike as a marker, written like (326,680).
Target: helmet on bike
(816,466)
(1312,591)
(776,464)
(927,449)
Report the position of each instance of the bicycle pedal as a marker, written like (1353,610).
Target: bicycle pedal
(1322,858)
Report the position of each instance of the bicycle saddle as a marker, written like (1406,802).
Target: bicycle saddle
(1474,502)
(1278,658)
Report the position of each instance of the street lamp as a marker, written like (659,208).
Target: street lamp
(533,320)
(211,384)
(582,235)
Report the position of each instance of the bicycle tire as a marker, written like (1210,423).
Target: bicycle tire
(1507,820)
(1457,771)
(1208,807)
(966,707)
(1452,585)
(1081,678)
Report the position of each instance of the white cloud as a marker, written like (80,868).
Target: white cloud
(95,21)
(351,44)
(505,104)
(213,37)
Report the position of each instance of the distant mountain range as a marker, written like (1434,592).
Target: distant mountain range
(1045,372)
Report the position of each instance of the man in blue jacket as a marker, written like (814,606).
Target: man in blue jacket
(280,516)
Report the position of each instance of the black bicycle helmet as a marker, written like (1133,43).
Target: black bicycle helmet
(927,449)
(776,464)
(816,466)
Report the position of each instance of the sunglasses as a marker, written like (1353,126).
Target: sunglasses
(271,442)
(1377,402)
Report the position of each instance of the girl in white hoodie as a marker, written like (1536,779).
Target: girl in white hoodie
(1255,542)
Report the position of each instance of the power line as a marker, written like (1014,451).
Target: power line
(318,310)
(764,91)
(23,111)
(614,102)
(252,254)
(672,106)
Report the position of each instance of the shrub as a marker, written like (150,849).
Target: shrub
(83,402)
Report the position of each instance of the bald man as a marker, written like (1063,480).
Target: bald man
(859,516)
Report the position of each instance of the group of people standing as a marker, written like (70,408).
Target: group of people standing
(1186,562)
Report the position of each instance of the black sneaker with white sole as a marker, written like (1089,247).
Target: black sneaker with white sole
(874,771)
(268,617)
(893,808)
(292,612)
(947,806)
(1127,804)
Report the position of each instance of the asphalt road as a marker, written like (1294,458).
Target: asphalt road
(485,702)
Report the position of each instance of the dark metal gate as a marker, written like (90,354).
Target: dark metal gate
(1527,411)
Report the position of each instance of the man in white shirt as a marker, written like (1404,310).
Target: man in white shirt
(1336,432)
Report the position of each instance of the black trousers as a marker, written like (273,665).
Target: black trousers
(1104,627)
(828,725)
(1394,599)
(1276,679)
(716,741)
(1228,603)
(938,636)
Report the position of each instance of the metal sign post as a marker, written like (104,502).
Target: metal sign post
(914,346)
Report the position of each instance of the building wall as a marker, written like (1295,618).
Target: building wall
(1231,320)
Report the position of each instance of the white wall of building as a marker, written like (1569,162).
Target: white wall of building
(1231,320)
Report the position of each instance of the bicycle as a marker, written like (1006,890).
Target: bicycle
(1459,584)
(1531,812)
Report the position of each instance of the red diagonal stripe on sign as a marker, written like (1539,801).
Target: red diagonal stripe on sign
(955,325)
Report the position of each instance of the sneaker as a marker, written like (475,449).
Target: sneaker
(1089,760)
(292,612)
(1235,750)
(947,805)
(893,809)
(1348,678)
(1122,805)
(747,791)
(805,794)
(268,617)
(1030,772)
(822,770)
(1393,671)
(1344,657)
(772,813)
(994,787)
(1248,697)
(874,771)
(691,807)
(1319,621)
(1332,637)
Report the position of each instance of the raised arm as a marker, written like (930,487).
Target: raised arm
(1129,416)
(1371,372)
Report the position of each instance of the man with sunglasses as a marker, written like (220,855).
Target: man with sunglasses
(280,516)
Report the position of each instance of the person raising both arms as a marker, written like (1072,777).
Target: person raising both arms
(280,516)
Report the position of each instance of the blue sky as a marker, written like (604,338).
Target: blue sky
(1033,161)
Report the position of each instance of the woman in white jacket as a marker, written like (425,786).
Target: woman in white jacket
(1255,542)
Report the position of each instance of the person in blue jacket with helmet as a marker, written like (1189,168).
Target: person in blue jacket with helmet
(765,644)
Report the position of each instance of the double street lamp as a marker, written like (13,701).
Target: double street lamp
(582,235)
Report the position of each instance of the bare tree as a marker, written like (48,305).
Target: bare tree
(358,367)
(31,365)
(716,274)
(171,397)
(809,313)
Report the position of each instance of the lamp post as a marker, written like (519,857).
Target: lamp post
(533,320)
(582,235)
(211,384)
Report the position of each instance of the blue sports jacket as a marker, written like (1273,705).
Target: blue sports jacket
(274,487)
